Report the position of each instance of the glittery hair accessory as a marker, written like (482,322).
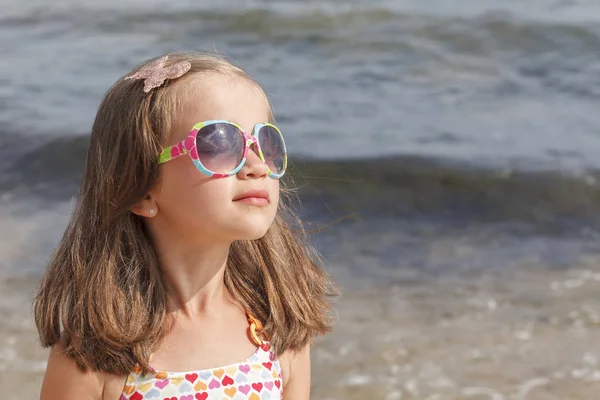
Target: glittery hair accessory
(155,73)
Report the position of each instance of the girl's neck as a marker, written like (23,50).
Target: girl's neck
(194,277)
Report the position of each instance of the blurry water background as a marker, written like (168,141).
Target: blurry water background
(462,135)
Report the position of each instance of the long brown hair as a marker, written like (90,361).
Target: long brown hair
(103,292)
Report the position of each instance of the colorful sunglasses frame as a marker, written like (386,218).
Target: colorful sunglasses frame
(188,146)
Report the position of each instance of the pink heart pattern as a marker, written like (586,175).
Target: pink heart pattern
(252,377)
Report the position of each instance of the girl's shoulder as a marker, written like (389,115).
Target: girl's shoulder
(295,366)
(64,379)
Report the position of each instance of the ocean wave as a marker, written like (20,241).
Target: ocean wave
(411,186)
(479,35)
(495,48)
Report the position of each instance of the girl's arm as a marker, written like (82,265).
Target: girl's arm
(64,380)
(298,383)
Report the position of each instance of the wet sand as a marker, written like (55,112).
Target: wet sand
(530,334)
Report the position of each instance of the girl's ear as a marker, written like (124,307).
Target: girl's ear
(146,207)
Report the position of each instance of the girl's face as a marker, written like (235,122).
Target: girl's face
(191,205)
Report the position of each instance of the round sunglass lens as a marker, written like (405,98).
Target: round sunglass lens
(220,147)
(273,148)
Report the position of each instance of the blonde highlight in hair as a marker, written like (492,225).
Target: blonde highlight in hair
(103,292)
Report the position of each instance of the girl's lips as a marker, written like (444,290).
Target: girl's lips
(254,201)
(253,197)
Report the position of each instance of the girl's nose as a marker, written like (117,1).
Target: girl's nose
(254,166)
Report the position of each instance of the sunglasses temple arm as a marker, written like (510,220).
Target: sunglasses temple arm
(168,154)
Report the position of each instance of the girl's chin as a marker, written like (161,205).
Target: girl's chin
(253,234)
(251,227)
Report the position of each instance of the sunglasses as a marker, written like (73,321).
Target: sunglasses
(219,148)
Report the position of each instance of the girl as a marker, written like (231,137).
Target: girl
(179,255)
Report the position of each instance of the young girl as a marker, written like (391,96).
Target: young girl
(180,255)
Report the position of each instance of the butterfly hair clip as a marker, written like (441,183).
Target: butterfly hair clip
(155,73)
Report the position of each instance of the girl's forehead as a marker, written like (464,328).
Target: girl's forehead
(222,97)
